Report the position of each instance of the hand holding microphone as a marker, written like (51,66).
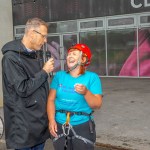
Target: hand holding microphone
(49,65)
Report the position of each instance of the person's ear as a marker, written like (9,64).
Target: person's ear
(84,59)
(32,34)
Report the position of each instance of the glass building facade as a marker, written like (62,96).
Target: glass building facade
(117,32)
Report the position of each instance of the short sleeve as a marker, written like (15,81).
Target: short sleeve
(55,82)
(95,85)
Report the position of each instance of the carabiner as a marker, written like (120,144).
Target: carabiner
(66,129)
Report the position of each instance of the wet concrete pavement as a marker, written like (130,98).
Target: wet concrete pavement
(123,122)
(124,118)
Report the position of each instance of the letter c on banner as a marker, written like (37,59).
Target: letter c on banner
(135,5)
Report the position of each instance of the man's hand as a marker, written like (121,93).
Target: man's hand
(49,65)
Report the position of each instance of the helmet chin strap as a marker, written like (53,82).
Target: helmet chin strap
(77,64)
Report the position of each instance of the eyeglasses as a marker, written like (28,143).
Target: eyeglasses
(44,36)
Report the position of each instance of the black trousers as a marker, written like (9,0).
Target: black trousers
(75,143)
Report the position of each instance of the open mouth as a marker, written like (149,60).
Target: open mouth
(71,60)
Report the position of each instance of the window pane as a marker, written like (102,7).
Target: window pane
(122,56)
(20,30)
(60,27)
(52,28)
(120,21)
(96,42)
(68,26)
(91,24)
(145,19)
(144,51)
(53,45)
(68,41)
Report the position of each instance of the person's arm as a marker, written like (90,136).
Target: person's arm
(17,76)
(51,112)
(93,100)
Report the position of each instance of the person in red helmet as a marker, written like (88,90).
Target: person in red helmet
(73,96)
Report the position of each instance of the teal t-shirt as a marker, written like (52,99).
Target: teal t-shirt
(68,99)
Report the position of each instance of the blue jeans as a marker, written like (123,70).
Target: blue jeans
(37,147)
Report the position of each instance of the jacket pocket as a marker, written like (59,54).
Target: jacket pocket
(30,101)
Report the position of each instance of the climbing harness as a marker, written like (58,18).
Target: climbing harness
(67,127)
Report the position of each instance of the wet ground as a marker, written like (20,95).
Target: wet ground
(123,122)
(49,146)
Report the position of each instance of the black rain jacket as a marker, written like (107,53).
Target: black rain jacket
(25,93)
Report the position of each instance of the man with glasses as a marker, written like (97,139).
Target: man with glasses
(44,36)
(25,88)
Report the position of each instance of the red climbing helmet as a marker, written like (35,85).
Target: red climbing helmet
(85,49)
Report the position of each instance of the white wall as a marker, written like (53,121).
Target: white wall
(6,32)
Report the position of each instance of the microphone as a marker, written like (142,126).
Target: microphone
(48,56)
